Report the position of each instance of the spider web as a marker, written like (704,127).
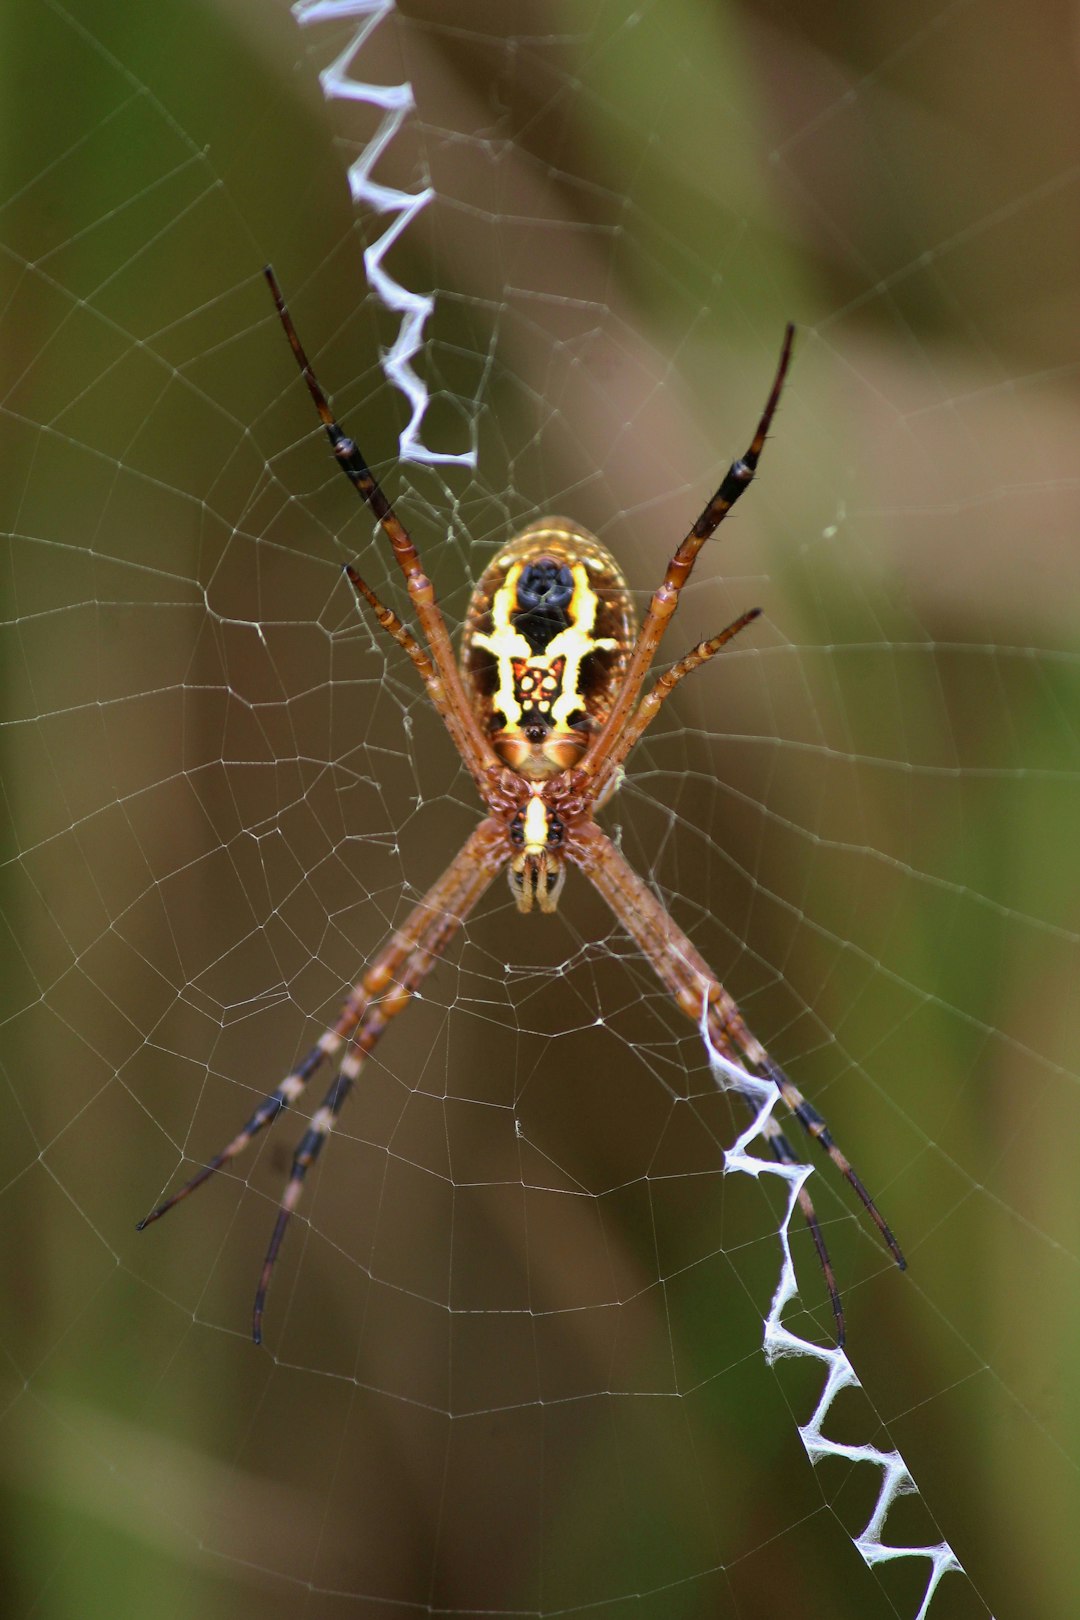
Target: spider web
(513,1345)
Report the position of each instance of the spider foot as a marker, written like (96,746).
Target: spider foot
(267,1110)
(784,1153)
(308,1150)
(814,1125)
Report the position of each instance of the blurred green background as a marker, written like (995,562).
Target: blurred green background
(512,1355)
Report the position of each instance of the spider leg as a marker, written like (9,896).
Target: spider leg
(666,599)
(400,633)
(455,708)
(698,992)
(384,990)
(405,639)
(370,1027)
(814,1126)
(307,1151)
(784,1153)
(651,703)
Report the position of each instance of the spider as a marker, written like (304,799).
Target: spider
(543,706)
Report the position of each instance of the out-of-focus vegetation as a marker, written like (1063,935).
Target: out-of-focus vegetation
(512,1353)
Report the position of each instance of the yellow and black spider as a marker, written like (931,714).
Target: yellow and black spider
(543,707)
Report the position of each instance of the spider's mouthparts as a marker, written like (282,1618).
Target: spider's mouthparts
(536,878)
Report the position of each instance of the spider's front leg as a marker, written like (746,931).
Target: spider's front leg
(441,676)
(385,989)
(665,599)
(698,992)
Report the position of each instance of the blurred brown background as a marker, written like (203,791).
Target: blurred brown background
(512,1352)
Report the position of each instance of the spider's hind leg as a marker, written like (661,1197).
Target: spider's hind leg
(785,1154)
(307,1151)
(268,1110)
(386,987)
(727,1029)
(814,1125)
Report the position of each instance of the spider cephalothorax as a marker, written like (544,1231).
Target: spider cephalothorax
(544,707)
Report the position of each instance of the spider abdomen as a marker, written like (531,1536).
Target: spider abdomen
(546,644)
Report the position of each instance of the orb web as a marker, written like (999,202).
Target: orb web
(513,1345)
